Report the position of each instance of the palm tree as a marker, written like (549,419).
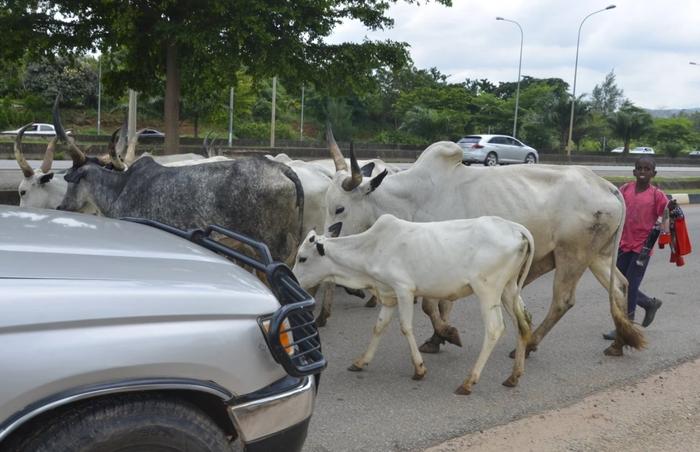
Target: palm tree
(629,122)
(559,116)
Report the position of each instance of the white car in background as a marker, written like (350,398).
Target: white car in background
(38,129)
(494,149)
(637,150)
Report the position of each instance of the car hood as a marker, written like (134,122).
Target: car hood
(48,256)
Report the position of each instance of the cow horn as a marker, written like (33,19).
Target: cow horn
(48,156)
(131,148)
(117,163)
(120,145)
(338,158)
(19,156)
(76,154)
(355,179)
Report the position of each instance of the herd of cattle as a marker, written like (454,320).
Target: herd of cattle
(438,231)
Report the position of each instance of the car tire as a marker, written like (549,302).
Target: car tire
(466,163)
(128,423)
(530,158)
(491,159)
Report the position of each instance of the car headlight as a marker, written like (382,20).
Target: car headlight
(285,337)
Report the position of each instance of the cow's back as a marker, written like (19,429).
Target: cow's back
(253,196)
(558,204)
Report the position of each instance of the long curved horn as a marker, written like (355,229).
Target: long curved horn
(117,163)
(48,156)
(76,154)
(338,158)
(120,146)
(131,149)
(355,179)
(19,155)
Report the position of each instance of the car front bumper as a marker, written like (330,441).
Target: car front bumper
(277,417)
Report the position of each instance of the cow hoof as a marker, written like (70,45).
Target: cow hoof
(528,350)
(429,347)
(613,351)
(321,321)
(371,303)
(416,376)
(452,336)
(511,382)
(461,390)
(354,368)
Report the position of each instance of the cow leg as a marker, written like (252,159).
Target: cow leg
(514,306)
(327,293)
(570,268)
(439,313)
(492,316)
(405,301)
(385,314)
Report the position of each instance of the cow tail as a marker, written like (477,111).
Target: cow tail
(522,315)
(627,333)
(530,255)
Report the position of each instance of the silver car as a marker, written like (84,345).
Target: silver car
(124,336)
(39,129)
(494,149)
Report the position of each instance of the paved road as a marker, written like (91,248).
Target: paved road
(382,409)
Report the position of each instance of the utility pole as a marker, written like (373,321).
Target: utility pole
(301,125)
(99,92)
(133,95)
(272,120)
(230,119)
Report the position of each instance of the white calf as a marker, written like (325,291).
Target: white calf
(399,260)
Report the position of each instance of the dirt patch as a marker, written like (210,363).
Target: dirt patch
(659,413)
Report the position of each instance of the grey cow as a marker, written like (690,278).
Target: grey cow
(254,196)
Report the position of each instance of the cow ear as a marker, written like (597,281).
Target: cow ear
(367,169)
(374,183)
(45,178)
(321,250)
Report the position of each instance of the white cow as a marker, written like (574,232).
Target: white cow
(399,260)
(40,188)
(575,217)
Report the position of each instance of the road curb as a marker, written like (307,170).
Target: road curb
(684,198)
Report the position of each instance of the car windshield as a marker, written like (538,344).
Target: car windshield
(473,139)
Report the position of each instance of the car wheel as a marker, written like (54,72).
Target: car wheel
(129,423)
(466,163)
(530,158)
(491,159)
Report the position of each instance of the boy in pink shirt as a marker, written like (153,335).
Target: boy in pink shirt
(644,203)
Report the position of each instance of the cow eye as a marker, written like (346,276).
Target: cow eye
(339,210)
(23,192)
(302,260)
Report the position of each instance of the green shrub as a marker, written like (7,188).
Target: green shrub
(672,148)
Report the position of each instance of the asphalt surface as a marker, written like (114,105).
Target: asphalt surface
(382,409)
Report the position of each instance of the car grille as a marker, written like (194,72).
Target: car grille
(297,305)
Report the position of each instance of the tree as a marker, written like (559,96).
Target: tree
(606,97)
(147,41)
(629,122)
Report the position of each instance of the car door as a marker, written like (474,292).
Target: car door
(515,153)
(46,129)
(498,145)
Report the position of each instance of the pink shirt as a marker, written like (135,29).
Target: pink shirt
(643,209)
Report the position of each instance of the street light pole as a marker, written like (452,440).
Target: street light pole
(520,62)
(569,143)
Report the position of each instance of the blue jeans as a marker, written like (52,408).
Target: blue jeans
(627,263)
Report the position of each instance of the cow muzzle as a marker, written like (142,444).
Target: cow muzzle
(335,228)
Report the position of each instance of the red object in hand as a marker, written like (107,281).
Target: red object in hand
(664,239)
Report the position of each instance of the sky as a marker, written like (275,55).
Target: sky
(647,43)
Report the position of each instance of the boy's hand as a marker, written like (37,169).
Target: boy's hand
(672,204)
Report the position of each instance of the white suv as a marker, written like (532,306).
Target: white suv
(124,336)
(494,149)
